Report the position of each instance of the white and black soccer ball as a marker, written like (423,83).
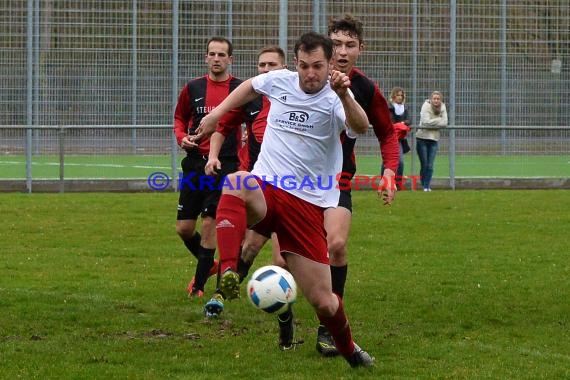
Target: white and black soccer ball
(271,289)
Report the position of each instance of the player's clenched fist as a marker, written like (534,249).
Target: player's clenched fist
(339,82)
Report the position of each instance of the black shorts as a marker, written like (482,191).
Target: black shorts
(200,194)
(345,200)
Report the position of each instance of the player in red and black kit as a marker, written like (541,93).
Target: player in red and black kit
(199,194)
(254,137)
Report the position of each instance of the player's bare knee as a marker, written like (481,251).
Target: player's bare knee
(336,246)
(208,223)
(184,231)
(325,305)
(326,311)
(237,183)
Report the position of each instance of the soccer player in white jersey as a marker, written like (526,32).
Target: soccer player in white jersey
(287,191)
(347,36)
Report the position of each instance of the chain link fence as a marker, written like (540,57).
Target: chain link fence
(499,64)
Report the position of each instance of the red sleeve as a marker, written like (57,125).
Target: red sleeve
(182,115)
(379,116)
(230,121)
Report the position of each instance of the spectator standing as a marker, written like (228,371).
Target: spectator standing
(433,117)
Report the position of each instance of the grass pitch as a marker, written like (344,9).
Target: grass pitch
(451,285)
(99,166)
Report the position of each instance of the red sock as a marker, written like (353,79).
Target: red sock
(340,330)
(230,230)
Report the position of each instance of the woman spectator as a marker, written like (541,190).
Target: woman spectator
(433,117)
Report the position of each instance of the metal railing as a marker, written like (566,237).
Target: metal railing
(67,154)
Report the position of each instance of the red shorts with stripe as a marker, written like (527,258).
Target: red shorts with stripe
(299,225)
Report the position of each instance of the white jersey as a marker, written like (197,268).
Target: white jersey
(301,151)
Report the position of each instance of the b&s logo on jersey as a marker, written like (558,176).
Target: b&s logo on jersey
(298,116)
(295,120)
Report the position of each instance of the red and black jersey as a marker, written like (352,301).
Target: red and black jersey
(255,130)
(368,95)
(200,96)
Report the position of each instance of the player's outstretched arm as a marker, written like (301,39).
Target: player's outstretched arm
(388,191)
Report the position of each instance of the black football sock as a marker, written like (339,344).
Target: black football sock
(243,269)
(193,244)
(285,321)
(338,277)
(205,262)
(286,316)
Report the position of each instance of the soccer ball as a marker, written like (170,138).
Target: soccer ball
(271,289)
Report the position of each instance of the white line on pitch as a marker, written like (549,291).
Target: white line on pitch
(87,165)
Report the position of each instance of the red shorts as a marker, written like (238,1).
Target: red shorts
(299,225)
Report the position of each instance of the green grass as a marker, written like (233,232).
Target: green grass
(141,166)
(446,285)
(482,166)
(85,166)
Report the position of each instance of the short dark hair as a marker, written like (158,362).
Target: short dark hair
(272,49)
(348,24)
(223,40)
(313,40)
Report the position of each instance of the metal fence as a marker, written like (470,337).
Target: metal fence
(95,63)
(95,157)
